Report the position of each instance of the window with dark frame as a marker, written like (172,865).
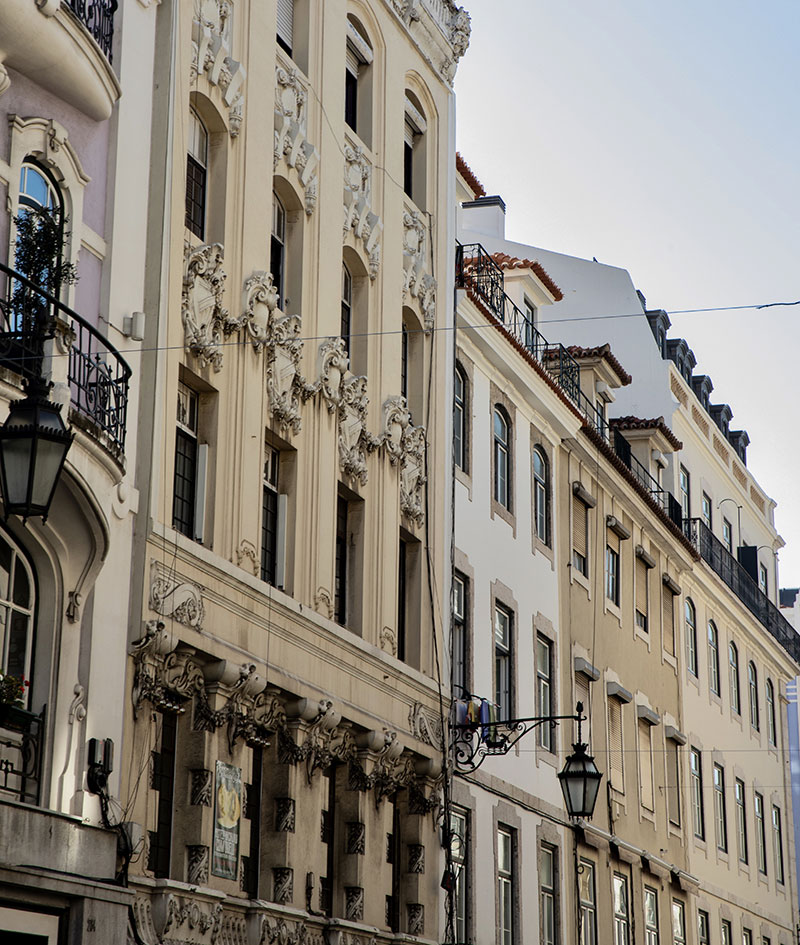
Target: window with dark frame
(641,578)
(277,251)
(673,782)
(678,922)
(460,637)
(503,624)
(705,508)
(459,853)
(409,133)
(269,516)
(741,819)
(702,928)
(752,680)
(616,746)
(460,420)
(506,892)
(777,833)
(404,361)
(196,176)
(612,569)
(727,535)
(544,689)
(686,497)
(540,495)
(650,916)
(159,853)
(726,929)
(761,833)
(720,810)
(340,583)
(696,777)
(772,732)
(351,91)
(347,307)
(501,439)
(185,478)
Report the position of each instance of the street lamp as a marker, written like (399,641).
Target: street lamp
(33,446)
(580,782)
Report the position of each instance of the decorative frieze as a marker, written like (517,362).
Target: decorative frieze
(211,57)
(358,214)
(416,918)
(170,919)
(284,814)
(163,676)
(405,445)
(197,865)
(417,282)
(354,903)
(282,884)
(416,858)
(202,311)
(171,596)
(291,143)
(355,443)
(356,838)
(200,792)
(333,365)
(425,725)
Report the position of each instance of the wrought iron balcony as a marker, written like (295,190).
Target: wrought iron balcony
(34,324)
(669,504)
(98,17)
(724,564)
(21,734)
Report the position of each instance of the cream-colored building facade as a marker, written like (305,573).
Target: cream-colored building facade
(284,694)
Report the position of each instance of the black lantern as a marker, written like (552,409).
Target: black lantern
(33,446)
(580,782)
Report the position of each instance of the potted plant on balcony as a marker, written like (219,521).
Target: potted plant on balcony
(12,702)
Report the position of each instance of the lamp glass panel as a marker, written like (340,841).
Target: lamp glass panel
(16,458)
(49,456)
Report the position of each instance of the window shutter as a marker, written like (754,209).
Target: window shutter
(409,132)
(582,691)
(641,586)
(612,540)
(579,517)
(286,22)
(352,61)
(673,783)
(646,765)
(615,759)
(669,621)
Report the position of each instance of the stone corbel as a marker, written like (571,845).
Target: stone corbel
(163,676)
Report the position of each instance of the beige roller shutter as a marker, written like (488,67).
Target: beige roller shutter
(669,620)
(645,765)
(352,60)
(582,692)
(286,22)
(579,517)
(615,755)
(641,587)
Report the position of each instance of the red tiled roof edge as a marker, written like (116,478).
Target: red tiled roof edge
(656,423)
(605,352)
(466,172)
(590,432)
(513,262)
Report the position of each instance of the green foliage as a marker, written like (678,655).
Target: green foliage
(40,238)
(12,690)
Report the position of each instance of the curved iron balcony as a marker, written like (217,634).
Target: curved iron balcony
(33,324)
(98,17)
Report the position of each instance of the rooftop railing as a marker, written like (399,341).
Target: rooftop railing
(33,322)
(98,17)
(739,580)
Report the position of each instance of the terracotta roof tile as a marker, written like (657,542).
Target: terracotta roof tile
(601,351)
(514,262)
(656,423)
(465,171)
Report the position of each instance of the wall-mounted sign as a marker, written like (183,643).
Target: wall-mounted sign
(227,817)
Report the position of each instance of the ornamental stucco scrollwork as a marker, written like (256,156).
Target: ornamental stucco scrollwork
(291,143)
(358,214)
(417,283)
(211,57)
(333,365)
(459,36)
(164,676)
(425,725)
(355,443)
(170,919)
(203,314)
(405,445)
(170,596)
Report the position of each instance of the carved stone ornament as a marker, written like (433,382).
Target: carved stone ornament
(354,440)
(172,597)
(280,932)
(282,884)
(211,57)
(247,552)
(417,283)
(460,31)
(425,725)
(204,317)
(197,865)
(358,214)
(323,602)
(170,919)
(291,142)
(416,918)
(284,814)
(200,795)
(405,445)
(416,858)
(356,839)
(354,903)
(333,365)
(388,641)
(396,420)
(164,676)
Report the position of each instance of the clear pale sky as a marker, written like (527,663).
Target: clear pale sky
(663,138)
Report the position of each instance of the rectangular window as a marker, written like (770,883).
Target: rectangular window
(777,833)
(195,197)
(402,598)
(612,573)
(548,892)
(529,326)
(580,537)
(761,834)
(719,808)
(696,774)
(460,638)
(678,922)
(163,781)
(741,819)
(702,928)
(459,851)
(408,159)
(588,903)
(641,595)
(191,457)
(502,661)
(727,535)
(645,767)
(650,916)
(459,421)
(686,498)
(351,89)
(622,919)
(747,937)
(706,510)
(505,884)
(673,782)
(285,25)
(727,932)
(273,522)
(668,607)
(544,689)
(340,583)
(763,580)
(615,745)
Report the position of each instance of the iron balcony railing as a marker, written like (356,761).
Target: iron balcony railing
(98,17)
(21,734)
(741,582)
(666,500)
(33,321)
(476,268)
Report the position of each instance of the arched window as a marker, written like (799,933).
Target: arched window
(541,488)
(414,150)
(752,680)
(713,658)
(460,419)
(37,188)
(502,470)
(277,250)
(691,637)
(347,306)
(17,600)
(196,176)
(412,345)
(772,728)
(733,665)
(358,81)
(38,191)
